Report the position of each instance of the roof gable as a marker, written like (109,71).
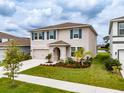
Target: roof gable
(5,35)
(19,41)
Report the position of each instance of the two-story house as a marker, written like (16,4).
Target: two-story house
(116,32)
(62,40)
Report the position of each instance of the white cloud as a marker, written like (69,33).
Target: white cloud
(7,8)
(28,14)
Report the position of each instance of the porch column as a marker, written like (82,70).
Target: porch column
(32,53)
(52,52)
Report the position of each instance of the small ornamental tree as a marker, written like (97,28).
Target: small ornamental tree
(48,57)
(11,62)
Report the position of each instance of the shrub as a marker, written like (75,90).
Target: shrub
(112,64)
(49,57)
(69,61)
(102,56)
(60,64)
(26,56)
(87,62)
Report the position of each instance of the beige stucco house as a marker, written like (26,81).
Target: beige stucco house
(62,40)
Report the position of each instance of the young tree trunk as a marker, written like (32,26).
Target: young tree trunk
(13,82)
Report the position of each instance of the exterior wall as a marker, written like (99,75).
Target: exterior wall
(115,29)
(116,41)
(116,47)
(111,40)
(92,43)
(64,35)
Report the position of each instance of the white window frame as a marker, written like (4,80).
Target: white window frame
(76,49)
(51,33)
(120,28)
(41,33)
(75,32)
(36,35)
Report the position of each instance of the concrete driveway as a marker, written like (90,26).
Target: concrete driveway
(26,65)
(31,63)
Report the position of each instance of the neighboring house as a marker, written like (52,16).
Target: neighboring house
(116,32)
(6,39)
(100,46)
(62,40)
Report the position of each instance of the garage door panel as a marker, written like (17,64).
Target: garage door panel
(2,54)
(121,57)
(40,54)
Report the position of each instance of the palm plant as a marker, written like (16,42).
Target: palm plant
(81,53)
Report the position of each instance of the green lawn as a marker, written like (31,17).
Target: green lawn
(95,75)
(25,88)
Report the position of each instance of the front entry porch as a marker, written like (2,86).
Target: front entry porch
(59,50)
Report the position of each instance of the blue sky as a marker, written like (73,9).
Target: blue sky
(19,16)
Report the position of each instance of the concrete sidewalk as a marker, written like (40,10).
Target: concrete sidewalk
(65,85)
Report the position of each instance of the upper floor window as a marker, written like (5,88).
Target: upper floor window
(41,35)
(51,34)
(32,34)
(76,33)
(121,28)
(35,35)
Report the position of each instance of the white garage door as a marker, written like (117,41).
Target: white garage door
(2,54)
(40,53)
(121,57)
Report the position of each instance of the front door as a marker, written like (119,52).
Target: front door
(56,54)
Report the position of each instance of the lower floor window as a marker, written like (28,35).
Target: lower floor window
(78,48)
(73,49)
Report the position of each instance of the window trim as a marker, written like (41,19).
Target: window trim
(42,35)
(35,36)
(76,31)
(76,49)
(119,29)
(73,51)
(53,34)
